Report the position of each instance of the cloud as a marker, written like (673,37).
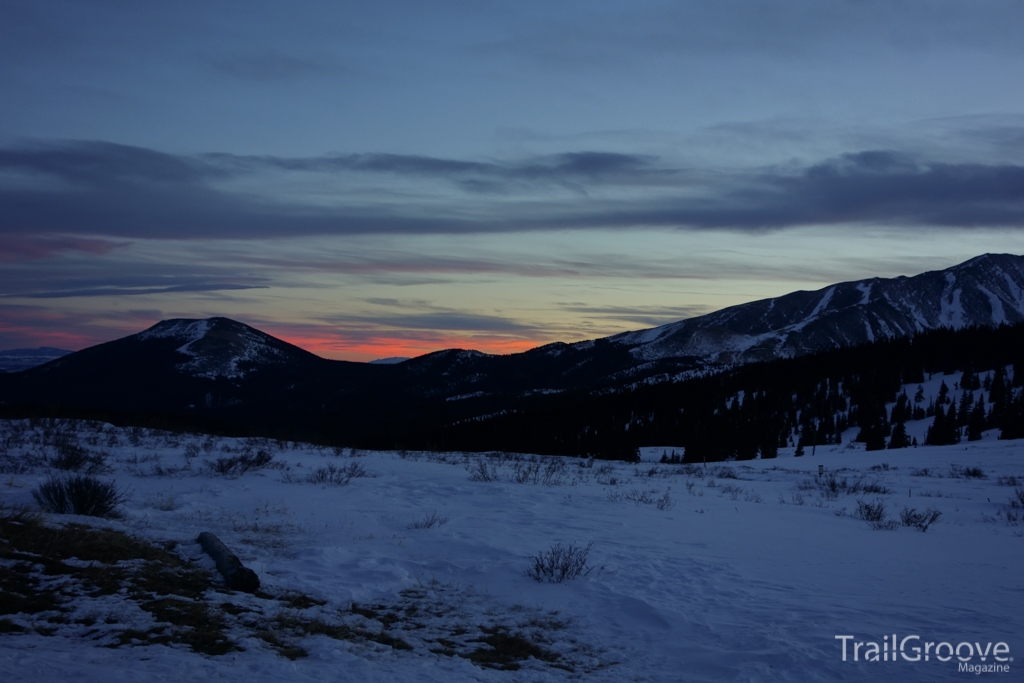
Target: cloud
(29,326)
(562,169)
(640,315)
(444,320)
(872,187)
(115,190)
(420,314)
(133,291)
(106,164)
(28,247)
(121,278)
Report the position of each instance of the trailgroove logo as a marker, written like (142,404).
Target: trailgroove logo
(975,658)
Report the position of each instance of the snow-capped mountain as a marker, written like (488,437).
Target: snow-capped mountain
(984,291)
(226,376)
(220,347)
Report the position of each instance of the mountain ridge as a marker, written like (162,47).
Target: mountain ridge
(224,375)
(987,289)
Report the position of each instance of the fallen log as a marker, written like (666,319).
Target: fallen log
(236,575)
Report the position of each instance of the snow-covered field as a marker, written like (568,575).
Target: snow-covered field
(735,572)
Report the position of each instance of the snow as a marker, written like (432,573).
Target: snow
(870,333)
(865,288)
(1015,291)
(244,345)
(823,303)
(998,314)
(745,573)
(646,336)
(463,397)
(186,330)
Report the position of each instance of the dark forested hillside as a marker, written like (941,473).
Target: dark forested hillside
(742,413)
(753,410)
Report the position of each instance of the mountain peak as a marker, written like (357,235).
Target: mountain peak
(986,290)
(191,328)
(221,347)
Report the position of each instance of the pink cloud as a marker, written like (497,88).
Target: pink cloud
(30,247)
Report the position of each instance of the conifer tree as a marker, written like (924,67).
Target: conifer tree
(1012,421)
(976,422)
(899,436)
(943,430)
(953,429)
(964,411)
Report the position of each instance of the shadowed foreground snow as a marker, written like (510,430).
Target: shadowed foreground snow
(744,571)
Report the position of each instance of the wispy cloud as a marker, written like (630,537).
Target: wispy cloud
(639,316)
(30,247)
(116,278)
(27,326)
(106,189)
(110,291)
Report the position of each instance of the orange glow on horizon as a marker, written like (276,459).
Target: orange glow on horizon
(337,346)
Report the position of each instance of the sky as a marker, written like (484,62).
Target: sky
(369,180)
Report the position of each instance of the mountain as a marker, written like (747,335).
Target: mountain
(16,360)
(987,290)
(220,347)
(221,375)
(391,360)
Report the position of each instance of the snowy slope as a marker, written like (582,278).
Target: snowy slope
(986,290)
(744,572)
(220,347)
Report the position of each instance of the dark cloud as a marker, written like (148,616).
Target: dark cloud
(563,169)
(446,320)
(118,278)
(132,291)
(106,164)
(105,189)
(878,187)
(420,314)
(643,316)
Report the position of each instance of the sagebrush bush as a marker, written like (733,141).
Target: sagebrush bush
(481,470)
(919,520)
(875,515)
(548,472)
(957,471)
(337,476)
(640,497)
(429,521)
(70,456)
(560,563)
(79,495)
(240,464)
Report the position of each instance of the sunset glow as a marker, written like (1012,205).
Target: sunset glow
(398,178)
